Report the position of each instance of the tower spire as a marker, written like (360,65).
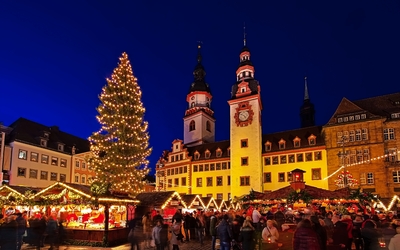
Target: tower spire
(306,96)
(199,43)
(244,34)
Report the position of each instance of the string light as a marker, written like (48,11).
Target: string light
(12,191)
(197,197)
(174,195)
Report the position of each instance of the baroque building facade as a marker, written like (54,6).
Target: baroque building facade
(249,160)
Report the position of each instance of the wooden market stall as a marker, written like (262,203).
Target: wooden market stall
(167,202)
(210,203)
(13,198)
(88,219)
(193,202)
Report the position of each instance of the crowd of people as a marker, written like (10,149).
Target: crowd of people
(17,229)
(254,228)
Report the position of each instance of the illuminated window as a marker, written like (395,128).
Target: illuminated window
(192,125)
(308,156)
(219,180)
(283,159)
(243,143)
(364,132)
(388,134)
(289,176)
(281,177)
(21,172)
(34,157)
(275,160)
(267,161)
(209,181)
(357,117)
(352,136)
(54,161)
(45,159)
(316,173)
(245,161)
(63,177)
(363,116)
(317,155)
(396,176)
(267,177)
(22,154)
(244,180)
(33,173)
(358,135)
(44,175)
(199,182)
(53,176)
(291,159)
(268,146)
(300,158)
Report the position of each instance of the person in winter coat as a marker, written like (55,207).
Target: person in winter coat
(320,231)
(160,235)
(394,243)
(175,234)
(246,235)
(224,231)
(213,230)
(356,232)
(270,233)
(370,235)
(52,230)
(347,219)
(305,238)
(22,224)
(9,233)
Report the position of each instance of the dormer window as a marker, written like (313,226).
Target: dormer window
(268,146)
(196,155)
(282,144)
(395,115)
(296,142)
(207,154)
(43,142)
(73,150)
(218,153)
(46,135)
(312,140)
(340,120)
(60,147)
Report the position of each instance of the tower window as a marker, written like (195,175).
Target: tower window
(192,126)
(245,161)
(208,125)
(243,90)
(192,105)
(243,143)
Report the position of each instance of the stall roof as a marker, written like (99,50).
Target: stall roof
(19,190)
(196,198)
(158,199)
(316,193)
(188,198)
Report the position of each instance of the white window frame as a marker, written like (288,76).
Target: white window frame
(396,176)
(358,135)
(352,136)
(364,133)
(388,134)
(370,178)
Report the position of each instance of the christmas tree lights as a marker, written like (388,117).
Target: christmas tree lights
(121,147)
(346,180)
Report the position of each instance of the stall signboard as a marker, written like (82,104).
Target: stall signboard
(174,203)
(196,203)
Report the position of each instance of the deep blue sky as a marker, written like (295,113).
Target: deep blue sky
(55,56)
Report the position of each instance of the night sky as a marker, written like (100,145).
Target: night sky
(55,56)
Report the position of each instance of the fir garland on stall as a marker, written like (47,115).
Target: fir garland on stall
(363,197)
(297,195)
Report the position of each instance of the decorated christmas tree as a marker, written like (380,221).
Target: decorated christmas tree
(346,178)
(121,147)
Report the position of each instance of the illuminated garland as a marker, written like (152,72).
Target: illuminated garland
(174,195)
(362,162)
(340,181)
(199,199)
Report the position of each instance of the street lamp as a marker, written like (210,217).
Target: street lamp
(342,155)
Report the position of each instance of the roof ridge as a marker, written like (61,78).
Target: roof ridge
(296,129)
(374,97)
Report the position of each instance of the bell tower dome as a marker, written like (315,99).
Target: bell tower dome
(199,121)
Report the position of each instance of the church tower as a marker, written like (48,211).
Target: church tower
(307,111)
(245,129)
(199,121)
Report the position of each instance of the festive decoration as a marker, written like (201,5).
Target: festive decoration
(299,195)
(121,147)
(345,179)
(363,197)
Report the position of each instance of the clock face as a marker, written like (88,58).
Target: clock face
(243,115)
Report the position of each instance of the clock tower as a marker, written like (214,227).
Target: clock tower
(245,129)
(199,121)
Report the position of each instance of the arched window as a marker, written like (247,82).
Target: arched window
(208,126)
(192,105)
(192,126)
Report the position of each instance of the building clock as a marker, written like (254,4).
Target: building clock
(244,114)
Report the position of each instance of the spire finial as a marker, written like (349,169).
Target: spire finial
(244,34)
(306,97)
(199,43)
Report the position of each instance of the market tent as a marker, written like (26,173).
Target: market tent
(194,203)
(160,199)
(22,191)
(210,203)
(314,192)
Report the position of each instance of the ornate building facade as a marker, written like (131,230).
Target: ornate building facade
(249,159)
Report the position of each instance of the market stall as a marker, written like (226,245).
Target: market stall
(87,219)
(167,202)
(15,198)
(210,203)
(194,202)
